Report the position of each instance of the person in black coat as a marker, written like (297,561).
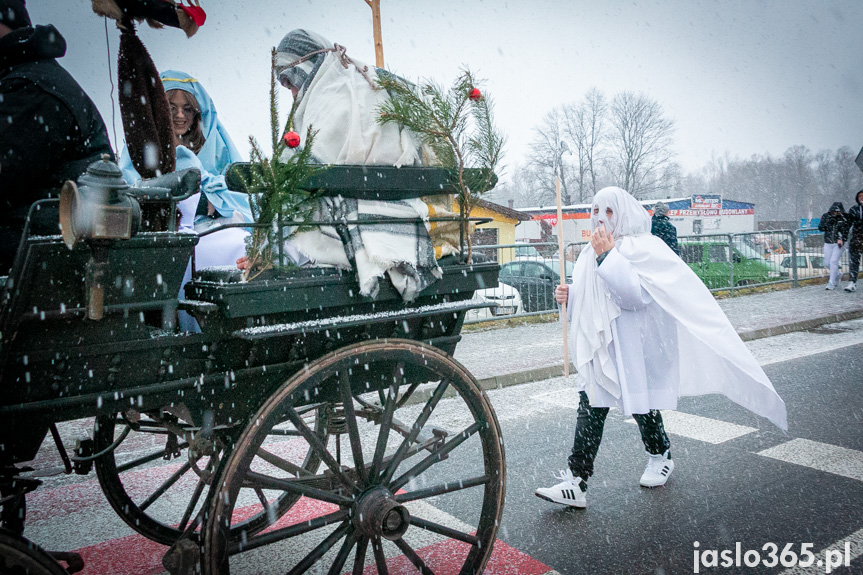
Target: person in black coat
(51,129)
(662,227)
(855,240)
(834,224)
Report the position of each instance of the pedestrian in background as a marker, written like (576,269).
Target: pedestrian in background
(855,240)
(834,224)
(661,226)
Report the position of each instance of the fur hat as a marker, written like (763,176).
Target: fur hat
(660,209)
(13,13)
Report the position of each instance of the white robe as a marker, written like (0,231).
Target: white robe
(646,330)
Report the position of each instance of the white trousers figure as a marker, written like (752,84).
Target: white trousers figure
(832,253)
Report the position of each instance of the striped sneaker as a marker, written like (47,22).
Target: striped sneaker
(568,492)
(658,470)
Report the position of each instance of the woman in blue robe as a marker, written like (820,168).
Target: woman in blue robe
(203,144)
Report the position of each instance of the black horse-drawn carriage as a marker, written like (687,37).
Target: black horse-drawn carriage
(310,425)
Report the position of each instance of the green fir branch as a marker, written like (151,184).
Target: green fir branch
(459,131)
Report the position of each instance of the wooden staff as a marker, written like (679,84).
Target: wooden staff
(562,273)
(375,5)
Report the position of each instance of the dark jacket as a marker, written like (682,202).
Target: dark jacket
(51,130)
(855,223)
(834,224)
(662,228)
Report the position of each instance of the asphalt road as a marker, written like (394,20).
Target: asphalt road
(737,478)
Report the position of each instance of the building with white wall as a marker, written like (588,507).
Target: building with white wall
(698,214)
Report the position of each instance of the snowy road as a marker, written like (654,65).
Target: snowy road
(738,478)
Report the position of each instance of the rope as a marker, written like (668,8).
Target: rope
(341,52)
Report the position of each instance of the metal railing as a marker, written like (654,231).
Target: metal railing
(724,262)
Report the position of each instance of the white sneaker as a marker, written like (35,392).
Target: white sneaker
(567,492)
(830,287)
(851,286)
(658,470)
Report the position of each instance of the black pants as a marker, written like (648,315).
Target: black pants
(854,254)
(588,434)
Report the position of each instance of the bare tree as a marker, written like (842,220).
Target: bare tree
(545,154)
(642,140)
(584,126)
(801,181)
(849,178)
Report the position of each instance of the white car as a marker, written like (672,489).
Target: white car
(809,264)
(506,297)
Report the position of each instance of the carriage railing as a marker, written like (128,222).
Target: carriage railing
(282,224)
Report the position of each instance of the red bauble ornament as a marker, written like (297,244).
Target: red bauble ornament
(292,139)
(475,94)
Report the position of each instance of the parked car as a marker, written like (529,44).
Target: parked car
(527,252)
(506,297)
(535,281)
(809,264)
(712,260)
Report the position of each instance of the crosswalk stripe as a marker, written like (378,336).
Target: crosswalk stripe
(701,428)
(821,456)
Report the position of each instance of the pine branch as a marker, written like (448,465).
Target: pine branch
(459,131)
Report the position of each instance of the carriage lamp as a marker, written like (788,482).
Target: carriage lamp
(97,210)
(98,207)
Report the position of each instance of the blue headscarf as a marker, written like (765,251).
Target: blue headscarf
(217,153)
(218,150)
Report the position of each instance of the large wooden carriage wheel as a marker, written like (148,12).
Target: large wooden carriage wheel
(165,504)
(422,438)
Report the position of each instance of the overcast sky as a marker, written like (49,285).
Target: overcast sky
(742,78)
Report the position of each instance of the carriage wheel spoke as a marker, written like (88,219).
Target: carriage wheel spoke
(277,535)
(380,558)
(319,551)
(165,486)
(407,394)
(415,429)
(434,457)
(360,556)
(353,431)
(413,557)
(342,557)
(442,488)
(259,480)
(282,463)
(195,497)
(444,530)
(147,458)
(318,446)
(390,405)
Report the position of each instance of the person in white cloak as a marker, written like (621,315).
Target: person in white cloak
(645,331)
(339,99)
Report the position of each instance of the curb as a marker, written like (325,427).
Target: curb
(556,370)
(802,325)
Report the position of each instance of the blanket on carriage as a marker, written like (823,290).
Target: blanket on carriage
(338,98)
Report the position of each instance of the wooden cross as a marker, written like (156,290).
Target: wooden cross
(375,5)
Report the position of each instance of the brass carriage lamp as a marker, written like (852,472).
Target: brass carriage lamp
(98,207)
(98,210)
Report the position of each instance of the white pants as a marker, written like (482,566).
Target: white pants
(832,253)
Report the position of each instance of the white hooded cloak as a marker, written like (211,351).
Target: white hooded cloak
(645,330)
